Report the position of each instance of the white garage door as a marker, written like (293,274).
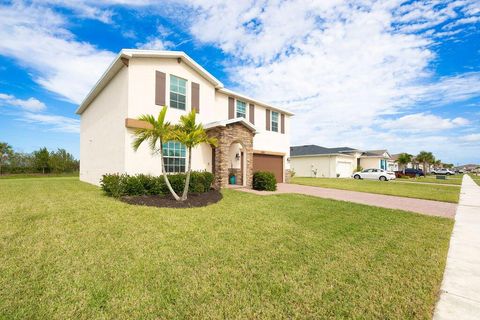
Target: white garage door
(344,169)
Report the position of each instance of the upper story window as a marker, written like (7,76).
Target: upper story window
(241,109)
(274,121)
(174,154)
(178,93)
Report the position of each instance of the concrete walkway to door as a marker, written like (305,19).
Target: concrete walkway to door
(460,291)
(428,207)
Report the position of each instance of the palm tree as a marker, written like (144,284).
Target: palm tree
(6,151)
(191,134)
(404,159)
(425,158)
(158,132)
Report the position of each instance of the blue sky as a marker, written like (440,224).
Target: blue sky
(401,75)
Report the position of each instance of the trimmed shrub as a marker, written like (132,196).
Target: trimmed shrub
(118,185)
(134,185)
(114,185)
(264,180)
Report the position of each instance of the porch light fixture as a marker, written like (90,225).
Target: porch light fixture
(237,156)
(288,159)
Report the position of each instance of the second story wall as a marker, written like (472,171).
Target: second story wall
(266,138)
(142,90)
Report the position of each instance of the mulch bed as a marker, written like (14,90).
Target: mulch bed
(167,201)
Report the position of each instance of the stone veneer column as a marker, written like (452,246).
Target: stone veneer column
(227,135)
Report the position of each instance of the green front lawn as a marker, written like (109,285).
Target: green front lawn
(456,180)
(410,190)
(67,251)
(475,178)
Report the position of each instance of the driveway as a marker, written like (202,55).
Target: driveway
(460,291)
(428,207)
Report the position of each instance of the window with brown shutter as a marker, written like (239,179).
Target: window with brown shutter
(160,84)
(267,116)
(231,108)
(196,97)
(251,113)
(282,123)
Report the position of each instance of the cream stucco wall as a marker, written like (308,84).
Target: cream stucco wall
(304,166)
(142,101)
(102,131)
(326,166)
(370,163)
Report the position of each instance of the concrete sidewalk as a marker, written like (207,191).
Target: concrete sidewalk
(428,207)
(460,291)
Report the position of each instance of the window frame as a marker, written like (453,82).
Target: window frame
(174,162)
(178,93)
(277,123)
(236,109)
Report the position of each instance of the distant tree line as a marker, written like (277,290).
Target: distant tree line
(39,161)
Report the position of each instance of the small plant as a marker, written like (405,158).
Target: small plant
(292,173)
(358,169)
(264,180)
(338,175)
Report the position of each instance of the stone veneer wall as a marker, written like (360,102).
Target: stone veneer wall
(288,175)
(232,133)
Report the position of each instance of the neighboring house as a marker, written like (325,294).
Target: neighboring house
(379,159)
(317,161)
(252,135)
(475,168)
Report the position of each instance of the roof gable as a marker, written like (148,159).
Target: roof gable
(224,123)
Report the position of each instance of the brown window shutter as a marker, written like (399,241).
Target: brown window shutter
(231,108)
(196,97)
(282,123)
(268,120)
(160,84)
(251,113)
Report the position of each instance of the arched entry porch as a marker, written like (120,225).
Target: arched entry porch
(234,153)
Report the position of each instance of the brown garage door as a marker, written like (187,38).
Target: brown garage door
(266,162)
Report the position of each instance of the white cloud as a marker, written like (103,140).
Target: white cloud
(36,38)
(155,44)
(474,137)
(30,104)
(52,122)
(421,122)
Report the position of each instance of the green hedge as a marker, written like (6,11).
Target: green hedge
(263,180)
(117,185)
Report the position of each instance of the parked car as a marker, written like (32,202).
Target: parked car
(447,172)
(374,174)
(410,172)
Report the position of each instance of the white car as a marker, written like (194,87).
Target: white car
(443,171)
(374,174)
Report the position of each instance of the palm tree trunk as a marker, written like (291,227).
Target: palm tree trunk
(189,171)
(167,182)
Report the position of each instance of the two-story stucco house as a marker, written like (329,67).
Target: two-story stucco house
(252,135)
